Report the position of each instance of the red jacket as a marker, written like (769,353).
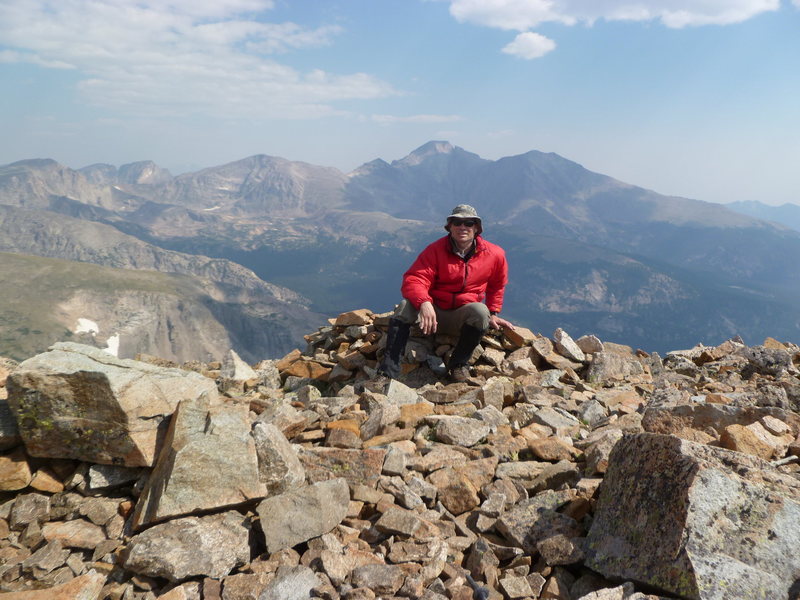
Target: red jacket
(440,276)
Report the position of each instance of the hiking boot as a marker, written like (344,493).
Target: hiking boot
(459,374)
(396,339)
(468,340)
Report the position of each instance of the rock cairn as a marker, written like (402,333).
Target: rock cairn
(564,469)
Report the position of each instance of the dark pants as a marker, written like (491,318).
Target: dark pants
(449,322)
(468,322)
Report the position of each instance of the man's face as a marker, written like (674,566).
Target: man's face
(463,231)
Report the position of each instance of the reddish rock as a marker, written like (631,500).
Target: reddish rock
(15,474)
(355,466)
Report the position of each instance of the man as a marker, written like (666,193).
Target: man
(455,286)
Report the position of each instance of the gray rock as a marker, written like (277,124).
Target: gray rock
(77,401)
(208,461)
(766,361)
(291,583)
(554,419)
(399,393)
(589,344)
(460,431)
(297,516)
(598,452)
(555,476)
(493,392)
(279,467)
(29,508)
(399,521)
(725,522)
(566,346)
(403,494)
(384,580)
(623,592)
(516,587)
(236,369)
(105,477)
(285,417)
(74,534)
(551,378)
(99,510)
(268,374)
(492,417)
(47,558)
(535,519)
(395,462)
(608,366)
(561,550)
(711,418)
(209,546)
(592,412)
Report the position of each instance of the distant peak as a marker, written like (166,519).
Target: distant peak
(36,163)
(370,167)
(435,147)
(427,150)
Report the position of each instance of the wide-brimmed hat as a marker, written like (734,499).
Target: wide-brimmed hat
(464,211)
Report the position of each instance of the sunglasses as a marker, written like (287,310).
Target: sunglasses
(464,222)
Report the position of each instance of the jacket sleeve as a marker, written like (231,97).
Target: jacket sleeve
(496,286)
(419,279)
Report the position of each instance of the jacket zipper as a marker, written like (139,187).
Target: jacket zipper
(466,273)
(463,283)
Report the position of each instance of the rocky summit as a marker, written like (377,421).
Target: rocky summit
(562,469)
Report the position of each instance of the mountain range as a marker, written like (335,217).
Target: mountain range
(787,214)
(282,244)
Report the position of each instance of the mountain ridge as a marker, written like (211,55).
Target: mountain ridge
(344,239)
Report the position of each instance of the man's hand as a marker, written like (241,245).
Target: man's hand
(427,318)
(496,322)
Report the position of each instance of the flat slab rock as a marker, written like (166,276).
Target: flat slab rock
(208,461)
(76,401)
(696,521)
(209,546)
(85,587)
(304,513)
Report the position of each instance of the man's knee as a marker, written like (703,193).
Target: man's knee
(477,315)
(406,312)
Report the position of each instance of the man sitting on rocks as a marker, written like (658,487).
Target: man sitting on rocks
(455,287)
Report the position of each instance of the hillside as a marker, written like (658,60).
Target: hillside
(135,311)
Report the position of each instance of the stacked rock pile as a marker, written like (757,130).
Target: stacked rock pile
(564,469)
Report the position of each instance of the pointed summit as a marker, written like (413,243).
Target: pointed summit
(424,152)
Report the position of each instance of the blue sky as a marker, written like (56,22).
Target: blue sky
(698,98)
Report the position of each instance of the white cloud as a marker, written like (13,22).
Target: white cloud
(416,119)
(521,15)
(530,45)
(524,15)
(10,56)
(170,57)
(507,14)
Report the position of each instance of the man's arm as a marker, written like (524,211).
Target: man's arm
(418,280)
(417,283)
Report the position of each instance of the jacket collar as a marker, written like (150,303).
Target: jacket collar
(477,245)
